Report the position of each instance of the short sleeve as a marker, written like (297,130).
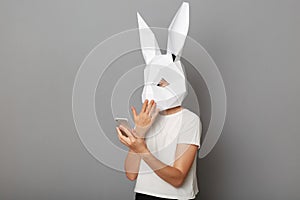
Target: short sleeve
(190,132)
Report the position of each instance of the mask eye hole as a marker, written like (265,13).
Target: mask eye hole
(173,57)
(162,83)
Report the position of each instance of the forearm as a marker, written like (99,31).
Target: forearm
(131,165)
(168,173)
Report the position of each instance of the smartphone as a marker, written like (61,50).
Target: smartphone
(124,122)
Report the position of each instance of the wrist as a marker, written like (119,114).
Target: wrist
(131,151)
(140,131)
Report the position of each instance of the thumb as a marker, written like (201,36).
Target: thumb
(134,112)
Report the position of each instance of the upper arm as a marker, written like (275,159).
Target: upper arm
(184,157)
(187,144)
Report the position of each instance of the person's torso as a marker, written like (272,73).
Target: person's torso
(161,140)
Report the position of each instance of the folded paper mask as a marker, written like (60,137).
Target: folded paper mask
(164,78)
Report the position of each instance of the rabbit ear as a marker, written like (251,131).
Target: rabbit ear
(148,41)
(178,30)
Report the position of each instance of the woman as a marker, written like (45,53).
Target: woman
(170,154)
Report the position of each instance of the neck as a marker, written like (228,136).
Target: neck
(171,110)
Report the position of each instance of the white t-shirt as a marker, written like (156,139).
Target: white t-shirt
(162,138)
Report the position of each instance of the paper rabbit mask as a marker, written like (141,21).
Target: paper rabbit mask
(164,78)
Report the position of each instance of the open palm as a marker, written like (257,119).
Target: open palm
(145,118)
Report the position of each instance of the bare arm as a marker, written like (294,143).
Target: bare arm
(176,174)
(132,164)
(143,121)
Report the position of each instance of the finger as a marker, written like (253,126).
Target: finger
(128,132)
(152,109)
(119,136)
(149,106)
(121,140)
(144,105)
(125,140)
(134,113)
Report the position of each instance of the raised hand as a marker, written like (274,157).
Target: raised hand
(145,118)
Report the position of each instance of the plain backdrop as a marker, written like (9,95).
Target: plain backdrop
(255,44)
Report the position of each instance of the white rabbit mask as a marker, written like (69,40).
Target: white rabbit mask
(164,78)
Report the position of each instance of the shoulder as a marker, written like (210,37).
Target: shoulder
(191,128)
(190,120)
(189,115)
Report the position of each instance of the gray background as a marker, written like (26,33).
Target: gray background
(255,44)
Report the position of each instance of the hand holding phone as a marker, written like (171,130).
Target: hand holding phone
(124,122)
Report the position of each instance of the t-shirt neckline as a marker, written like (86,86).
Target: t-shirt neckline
(171,115)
